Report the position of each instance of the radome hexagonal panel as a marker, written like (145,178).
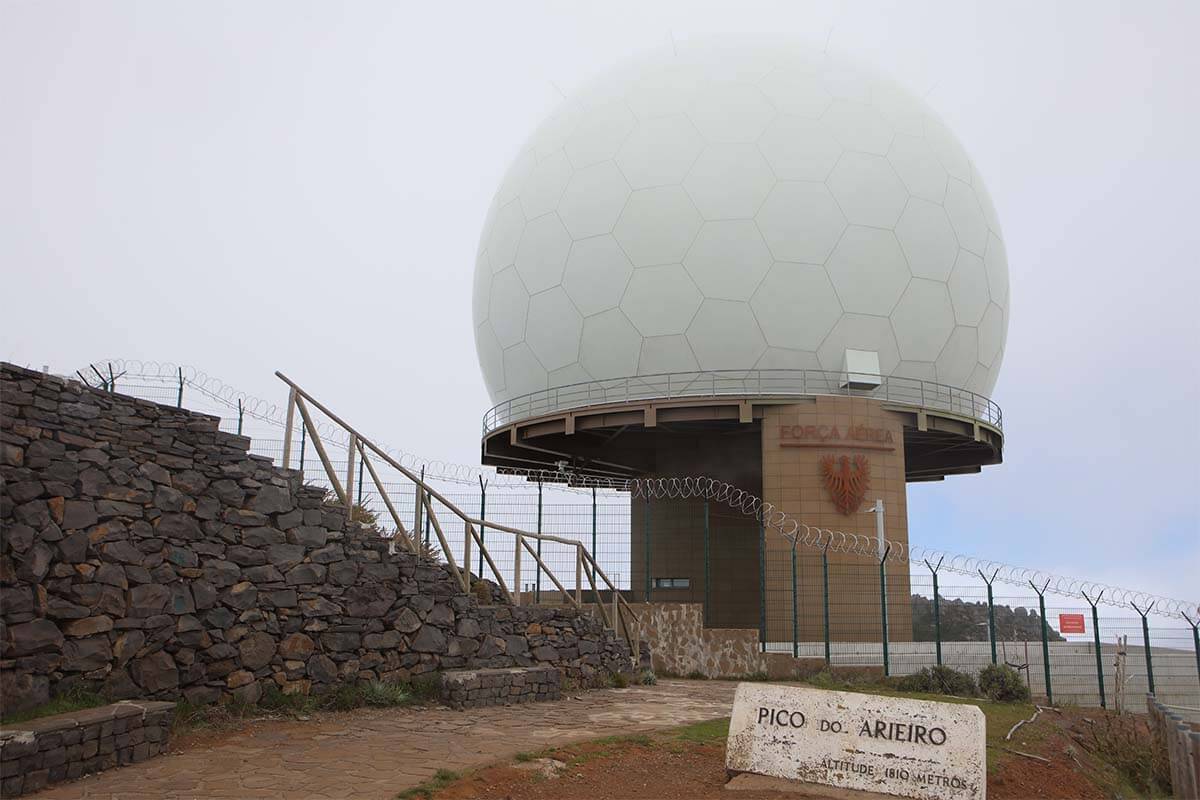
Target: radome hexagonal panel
(658,225)
(728,259)
(739,204)
(597,274)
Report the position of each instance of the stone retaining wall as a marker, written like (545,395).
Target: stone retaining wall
(144,553)
(680,645)
(67,746)
(497,687)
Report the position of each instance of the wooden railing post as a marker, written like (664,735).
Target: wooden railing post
(578,574)
(350,475)
(467,557)
(320,448)
(517,572)
(288,426)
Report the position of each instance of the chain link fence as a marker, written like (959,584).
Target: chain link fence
(843,607)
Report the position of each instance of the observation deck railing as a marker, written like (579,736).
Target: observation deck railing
(743,383)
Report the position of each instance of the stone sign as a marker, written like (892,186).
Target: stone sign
(888,745)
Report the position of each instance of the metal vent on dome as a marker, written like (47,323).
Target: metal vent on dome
(861,370)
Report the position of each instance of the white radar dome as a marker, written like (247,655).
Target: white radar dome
(736,205)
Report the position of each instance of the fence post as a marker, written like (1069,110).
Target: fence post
(883,608)
(646,546)
(795,617)
(537,584)
(1195,639)
(1041,593)
(417,510)
(482,511)
(179,397)
(937,610)
(240,410)
(825,597)
(595,557)
(1096,643)
(1146,643)
(483,527)
(426,518)
(991,612)
(762,588)
(708,572)
(303,441)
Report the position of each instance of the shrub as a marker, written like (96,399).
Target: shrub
(647,678)
(1135,749)
(482,591)
(1002,682)
(939,680)
(619,680)
(381,694)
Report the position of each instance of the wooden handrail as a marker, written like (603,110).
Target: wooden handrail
(426,494)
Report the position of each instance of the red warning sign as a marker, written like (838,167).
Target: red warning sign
(1071,623)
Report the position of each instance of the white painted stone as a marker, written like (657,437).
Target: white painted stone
(865,742)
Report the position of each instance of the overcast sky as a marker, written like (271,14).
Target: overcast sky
(246,187)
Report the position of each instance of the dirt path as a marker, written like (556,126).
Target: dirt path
(375,754)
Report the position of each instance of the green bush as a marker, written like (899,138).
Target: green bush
(647,678)
(1002,682)
(1136,749)
(939,680)
(619,680)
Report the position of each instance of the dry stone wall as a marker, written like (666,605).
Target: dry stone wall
(145,553)
(67,746)
(463,689)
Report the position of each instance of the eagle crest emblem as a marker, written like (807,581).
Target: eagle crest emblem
(847,478)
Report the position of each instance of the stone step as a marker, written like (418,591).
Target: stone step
(476,688)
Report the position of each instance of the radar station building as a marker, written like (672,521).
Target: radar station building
(751,261)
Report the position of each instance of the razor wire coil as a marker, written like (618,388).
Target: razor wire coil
(674,488)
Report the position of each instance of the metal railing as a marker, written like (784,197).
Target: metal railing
(739,383)
(363,449)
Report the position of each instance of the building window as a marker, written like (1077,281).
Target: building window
(672,583)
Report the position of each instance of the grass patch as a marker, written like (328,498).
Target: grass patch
(714,730)
(71,700)
(641,740)
(440,780)
(275,704)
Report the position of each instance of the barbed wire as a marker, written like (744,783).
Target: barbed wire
(697,487)
(815,537)
(274,415)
